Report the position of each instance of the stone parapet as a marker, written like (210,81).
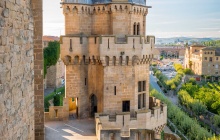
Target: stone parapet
(151,119)
(105,49)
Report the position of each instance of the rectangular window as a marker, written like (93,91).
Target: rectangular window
(144,86)
(108,43)
(125,106)
(95,40)
(71,45)
(216,58)
(205,58)
(144,101)
(139,86)
(85,81)
(210,59)
(139,101)
(81,40)
(115,90)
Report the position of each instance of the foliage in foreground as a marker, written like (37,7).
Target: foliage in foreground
(188,126)
(58,98)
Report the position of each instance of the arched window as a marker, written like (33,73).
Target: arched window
(134,29)
(138,29)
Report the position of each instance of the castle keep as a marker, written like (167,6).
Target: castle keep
(107,56)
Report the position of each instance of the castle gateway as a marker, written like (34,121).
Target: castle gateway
(107,56)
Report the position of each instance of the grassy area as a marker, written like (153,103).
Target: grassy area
(58,98)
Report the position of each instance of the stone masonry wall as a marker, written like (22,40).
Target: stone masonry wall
(125,78)
(16,70)
(54,75)
(38,70)
(110,19)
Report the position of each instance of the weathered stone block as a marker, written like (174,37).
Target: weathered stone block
(5,13)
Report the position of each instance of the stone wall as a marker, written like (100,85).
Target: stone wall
(21,95)
(17,70)
(54,75)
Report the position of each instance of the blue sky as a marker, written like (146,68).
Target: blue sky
(166,18)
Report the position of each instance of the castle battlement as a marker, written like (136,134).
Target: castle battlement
(151,119)
(107,49)
(77,8)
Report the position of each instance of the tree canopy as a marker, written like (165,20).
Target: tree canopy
(51,55)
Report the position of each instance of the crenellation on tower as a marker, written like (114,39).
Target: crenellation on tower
(111,46)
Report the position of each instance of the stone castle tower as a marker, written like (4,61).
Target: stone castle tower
(107,56)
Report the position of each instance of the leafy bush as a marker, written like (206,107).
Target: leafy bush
(183,122)
(188,71)
(216,120)
(57,100)
(192,80)
(51,96)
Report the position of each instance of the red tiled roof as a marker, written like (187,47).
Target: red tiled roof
(51,38)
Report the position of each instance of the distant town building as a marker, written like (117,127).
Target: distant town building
(203,60)
(168,51)
(47,39)
(55,74)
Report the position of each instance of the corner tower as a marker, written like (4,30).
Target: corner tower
(107,59)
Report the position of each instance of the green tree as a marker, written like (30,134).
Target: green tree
(51,55)
(188,71)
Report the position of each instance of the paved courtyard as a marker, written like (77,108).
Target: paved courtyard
(71,130)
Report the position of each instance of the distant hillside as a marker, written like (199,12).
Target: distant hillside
(174,40)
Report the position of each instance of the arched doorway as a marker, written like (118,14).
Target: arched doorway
(93,105)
